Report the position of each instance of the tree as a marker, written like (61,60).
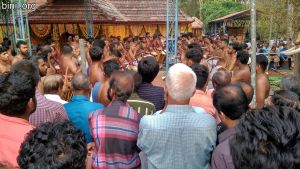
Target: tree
(212,9)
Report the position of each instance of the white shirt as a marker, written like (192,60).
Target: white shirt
(55,98)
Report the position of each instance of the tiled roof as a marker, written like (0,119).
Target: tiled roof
(197,24)
(145,10)
(113,11)
(71,11)
(237,15)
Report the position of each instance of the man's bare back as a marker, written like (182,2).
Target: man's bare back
(67,62)
(262,89)
(243,74)
(96,73)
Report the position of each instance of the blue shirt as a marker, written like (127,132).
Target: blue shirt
(178,138)
(283,56)
(78,109)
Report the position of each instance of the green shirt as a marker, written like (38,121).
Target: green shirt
(143,107)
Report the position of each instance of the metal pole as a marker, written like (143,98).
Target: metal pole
(253,54)
(167,36)
(176,32)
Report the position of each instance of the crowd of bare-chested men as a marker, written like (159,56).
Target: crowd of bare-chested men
(218,53)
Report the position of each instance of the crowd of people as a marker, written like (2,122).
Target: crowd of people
(68,107)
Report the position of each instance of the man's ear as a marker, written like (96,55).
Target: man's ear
(165,92)
(31,106)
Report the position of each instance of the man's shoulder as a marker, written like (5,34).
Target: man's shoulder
(53,105)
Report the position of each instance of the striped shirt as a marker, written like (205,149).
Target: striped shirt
(143,107)
(47,111)
(153,94)
(115,131)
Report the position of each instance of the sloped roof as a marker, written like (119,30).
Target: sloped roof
(70,11)
(197,23)
(112,11)
(246,14)
(146,10)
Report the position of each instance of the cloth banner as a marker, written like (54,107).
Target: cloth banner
(41,30)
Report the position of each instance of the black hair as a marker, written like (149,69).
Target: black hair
(27,67)
(3,49)
(262,60)
(20,42)
(243,57)
(66,49)
(116,53)
(96,53)
(110,66)
(226,41)
(231,100)
(6,43)
(38,57)
(202,74)
(100,43)
(58,145)
(148,68)
(237,47)
(195,54)
(194,45)
(90,39)
(287,94)
(16,89)
(267,138)
(244,46)
(291,83)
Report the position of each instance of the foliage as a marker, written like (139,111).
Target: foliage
(211,9)
(215,9)
(278,11)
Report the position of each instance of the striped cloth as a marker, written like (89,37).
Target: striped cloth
(143,107)
(47,111)
(153,94)
(115,131)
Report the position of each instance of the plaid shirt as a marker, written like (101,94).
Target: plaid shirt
(115,131)
(47,111)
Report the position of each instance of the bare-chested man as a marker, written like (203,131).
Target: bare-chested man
(242,72)
(262,82)
(68,62)
(8,45)
(4,60)
(22,51)
(96,68)
(225,57)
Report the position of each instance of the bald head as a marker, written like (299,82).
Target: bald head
(231,100)
(80,82)
(181,82)
(221,79)
(121,85)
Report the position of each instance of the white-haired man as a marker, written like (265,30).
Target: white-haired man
(178,137)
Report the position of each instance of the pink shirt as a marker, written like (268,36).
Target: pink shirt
(201,99)
(13,131)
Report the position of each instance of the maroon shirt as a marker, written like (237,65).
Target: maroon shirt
(221,158)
